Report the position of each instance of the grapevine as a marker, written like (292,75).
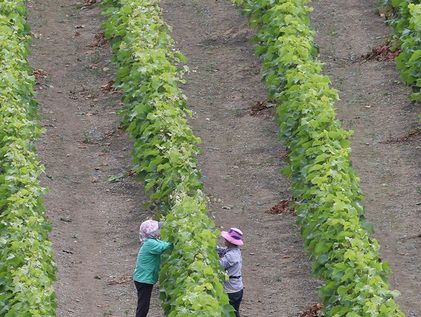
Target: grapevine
(27,269)
(405,18)
(165,151)
(326,188)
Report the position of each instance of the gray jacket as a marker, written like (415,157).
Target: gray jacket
(231,261)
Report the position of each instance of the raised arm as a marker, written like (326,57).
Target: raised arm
(159,246)
(226,261)
(221,251)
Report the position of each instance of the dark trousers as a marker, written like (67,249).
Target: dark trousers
(235,301)
(144,292)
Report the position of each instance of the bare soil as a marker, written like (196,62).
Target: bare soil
(95,209)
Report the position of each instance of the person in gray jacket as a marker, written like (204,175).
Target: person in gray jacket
(231,261)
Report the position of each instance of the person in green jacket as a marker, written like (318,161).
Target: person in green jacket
(148,263)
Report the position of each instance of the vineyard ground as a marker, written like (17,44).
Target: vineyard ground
(95,220)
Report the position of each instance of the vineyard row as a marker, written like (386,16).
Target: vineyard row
(27,268)
(405,18)
(325,187)
(165,151)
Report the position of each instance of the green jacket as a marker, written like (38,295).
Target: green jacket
(149,260)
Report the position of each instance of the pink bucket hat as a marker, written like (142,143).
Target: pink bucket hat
(234,236)
(148,229)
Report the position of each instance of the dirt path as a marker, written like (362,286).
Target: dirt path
(94,220)
(242,155)
(375,105)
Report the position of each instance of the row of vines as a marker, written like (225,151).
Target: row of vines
(165,149)
(324,184)
(405,18)
(27,269)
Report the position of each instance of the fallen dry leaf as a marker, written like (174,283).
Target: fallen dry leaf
(40,73)
(258,107)
(313,311)
(381,53)
(100,40)
(281,207)
(108,86)
(89,2)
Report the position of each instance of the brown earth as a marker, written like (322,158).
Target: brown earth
(95,209)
